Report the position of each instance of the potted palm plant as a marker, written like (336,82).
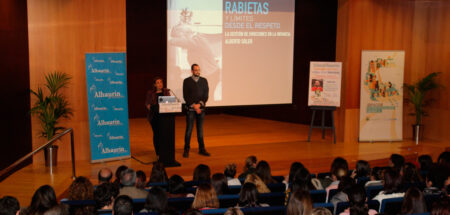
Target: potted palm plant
(417,94)
(50,107)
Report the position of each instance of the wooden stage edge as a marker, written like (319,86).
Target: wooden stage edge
(229,139)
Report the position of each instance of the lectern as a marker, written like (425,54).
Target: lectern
(168,106)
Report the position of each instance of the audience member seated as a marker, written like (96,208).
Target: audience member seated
(357,198)
(376,177)
(263,171)
(123,205)
(436,180)
(321,211)
(141,179)
(104,175)
(441,207)
(410,175)
(248,197)
(202,174)
(336,176)
(295,166)
(128,181)
(205,197)
(119,171)
(230,173)
(293,171)
(425,163)
(220,184)
(392,186)
(43,199)
(339,168)
(413,202)
(362,169)
(158,174)
(233,211)
(249,166)
(9,206)
(294,187)
(444,158)
(344,186)
(256,180)
(104,196)
(397,162)
(304,175)
(156,201)
(82,189)
(299,204)
(176,188)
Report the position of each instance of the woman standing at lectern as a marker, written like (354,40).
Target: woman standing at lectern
(151,103)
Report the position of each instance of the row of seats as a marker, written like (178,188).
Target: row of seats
(275,200)
(182,204)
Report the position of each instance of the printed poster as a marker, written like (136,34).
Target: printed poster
(381,103)
(325,84)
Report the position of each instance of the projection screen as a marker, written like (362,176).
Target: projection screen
(244,49)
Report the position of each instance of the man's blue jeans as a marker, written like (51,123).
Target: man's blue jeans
(190,117)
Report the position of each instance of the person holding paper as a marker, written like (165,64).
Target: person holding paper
(195,94)
(151,103)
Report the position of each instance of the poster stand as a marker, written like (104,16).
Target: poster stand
(322,126)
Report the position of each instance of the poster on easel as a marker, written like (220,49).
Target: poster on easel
(381,95)
(324,84)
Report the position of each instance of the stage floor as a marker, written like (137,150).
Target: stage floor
(229,139)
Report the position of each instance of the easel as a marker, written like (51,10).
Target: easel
(322,126)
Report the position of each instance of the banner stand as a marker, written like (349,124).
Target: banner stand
(322,125)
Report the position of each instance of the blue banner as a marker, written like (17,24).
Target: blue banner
(106,79)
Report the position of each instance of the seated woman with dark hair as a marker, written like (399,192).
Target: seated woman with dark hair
(357,198)
(141,179)
(248,197)
(295,166)
(156,201)
(264,172)
(304,175)
(411,175)
(300,203)
(362,169)
(249,166)
(220,184)
(376,177)
(339,168)
(117,174)
(413,202)
(436,180)
(43,199)
(158,174)
(342,195)
(176,188)
(205,198)
(230,172)
(336,176)
(391,186)
(202,174)
(425,162)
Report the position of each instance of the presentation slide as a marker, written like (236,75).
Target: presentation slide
(244,49)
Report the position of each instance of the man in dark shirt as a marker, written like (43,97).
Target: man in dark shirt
(195,94)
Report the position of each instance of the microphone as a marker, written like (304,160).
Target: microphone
(174,95)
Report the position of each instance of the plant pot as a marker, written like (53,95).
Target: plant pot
(51,152)
(417,128)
